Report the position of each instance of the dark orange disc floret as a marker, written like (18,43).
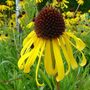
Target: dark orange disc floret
(59,0)
(49,23)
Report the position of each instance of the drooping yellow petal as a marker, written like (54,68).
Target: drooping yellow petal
(42,49)
(79,43)
(58,60)
(28,45)
(28,37)
(70,53)
(84,61)
(62,44)
(22,59)
(48,60)
(32,57)
(22,66)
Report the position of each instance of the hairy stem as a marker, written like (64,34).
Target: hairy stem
(57,85)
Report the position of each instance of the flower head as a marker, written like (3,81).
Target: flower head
(3,7)
(3,37)
(13,16)
(12,23)
(49,39)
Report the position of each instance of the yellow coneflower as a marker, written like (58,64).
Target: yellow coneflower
(3,37)
(70,14)
(39,1)
(22,3)
(13,16)
(12,23)
(49,40)
(3,7)
(61,3)
(10,3)
(80,2)
(22,16)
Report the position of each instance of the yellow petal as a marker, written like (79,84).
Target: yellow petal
(48,60)
(28,37)
(79,43)
(62,44)
(28,45)
(70,53)
(58,60)
(22,59)
(32,58)
(42,49)
(84,61)
(22,66)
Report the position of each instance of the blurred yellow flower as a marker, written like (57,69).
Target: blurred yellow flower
(22,3)
(3,7)
(1,15)
(39,1)
(80,2)
(10,3)
(70,14)
(13,16)
(89,10)
(22,16)
(12,24)
(78,14)
(3,37)
(74,20)
(61,3)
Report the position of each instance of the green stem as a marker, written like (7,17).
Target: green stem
(57,85)
(77,9)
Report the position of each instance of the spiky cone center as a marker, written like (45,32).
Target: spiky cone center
(49,23)
(59,0)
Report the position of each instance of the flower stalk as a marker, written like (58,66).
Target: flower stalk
(57,85)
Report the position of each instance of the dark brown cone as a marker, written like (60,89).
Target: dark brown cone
(59,0)
(49,23)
